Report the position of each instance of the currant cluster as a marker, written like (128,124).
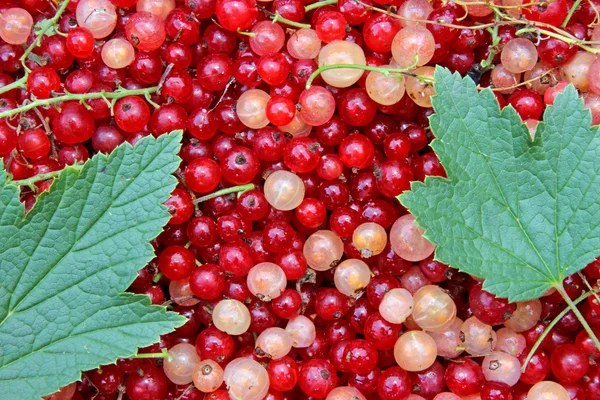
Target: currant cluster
(301,275)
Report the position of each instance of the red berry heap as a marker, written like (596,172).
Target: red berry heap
(300,274)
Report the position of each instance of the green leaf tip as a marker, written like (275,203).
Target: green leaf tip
(521,214)
(65,264)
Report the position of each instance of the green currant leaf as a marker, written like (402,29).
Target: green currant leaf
(65,264)
(521,213)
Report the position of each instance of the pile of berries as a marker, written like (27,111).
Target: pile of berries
(301,275)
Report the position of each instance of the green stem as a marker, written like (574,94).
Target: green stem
(579,316)
(19,83)
(487,63)
(163,354)
(42,177)
(118,94)
(222,192)
(569,40)
(157,277)
(278,18)
(250,34)
(47,25)
(539,341)
(381,70)
(321,4)
(570,14)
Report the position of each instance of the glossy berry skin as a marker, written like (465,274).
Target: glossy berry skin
(283,374)
(367,384)
(213,344)
(106,379)
(34,143)
(301,154)
(292,262)
(330,26)
(277,236)
(394,384)
(317,378)
(378,286)
(269,144)
(177,86)
(568,363)
(330,304)
(80,42)
(397,146)
(359,357)
(240,165)
(393,178)
(147,383)
(280,110)
(311,212)
(585,343)
(555,52)
(207,281)
(236,14)
(381,333)
(73,124)
(434,270)
(214,71)
(429,382)
(180,206)
(336,355)
(146,67)
(379,31)
(176,262)
(182,26)
(552,14)
(252,205)
(131,114)
(287,305)
(496,391)
(488,308)
(201,231)
(464,377)
(591,383)
(528,103)
(538,368)
(41,82)
(356,150)
(236,258)
(202,175)
(8,139)
(356,108)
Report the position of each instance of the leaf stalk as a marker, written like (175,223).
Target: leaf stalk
(551,325)
(579,316)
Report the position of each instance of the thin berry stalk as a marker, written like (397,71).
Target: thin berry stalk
(118,94)
(381,70)
(234,189)
(29,182)
(321,4)
(46,26)
(278,18)
(574,8)
(163,354)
